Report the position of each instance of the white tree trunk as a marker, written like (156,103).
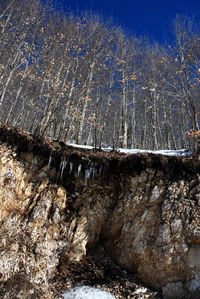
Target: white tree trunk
(133,135)
(11,74)
(85,105)
(124,125)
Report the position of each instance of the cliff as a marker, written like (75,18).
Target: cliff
(71,216)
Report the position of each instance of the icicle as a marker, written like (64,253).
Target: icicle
(70,167)
(93,171)
(79,169)
(62,167)
(49,164)
(87,175)
(100,170)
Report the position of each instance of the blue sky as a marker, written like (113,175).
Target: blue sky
(140,17)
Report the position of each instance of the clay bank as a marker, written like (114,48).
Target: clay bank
(66,210)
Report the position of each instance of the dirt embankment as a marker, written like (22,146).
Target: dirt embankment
(71,216)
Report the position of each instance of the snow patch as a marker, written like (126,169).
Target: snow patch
(181,152)
(86,292)
(80,146)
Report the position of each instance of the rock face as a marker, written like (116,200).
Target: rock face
(55,206)
(154,230)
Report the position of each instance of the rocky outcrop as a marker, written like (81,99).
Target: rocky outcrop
(154,230)
(58,203)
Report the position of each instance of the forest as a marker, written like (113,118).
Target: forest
(81,79)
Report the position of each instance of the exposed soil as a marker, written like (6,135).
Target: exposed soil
(110,162)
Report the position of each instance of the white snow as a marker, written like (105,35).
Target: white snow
(79,145)
(181,152)
(86,292)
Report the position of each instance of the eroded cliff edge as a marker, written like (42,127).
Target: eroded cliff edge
(58,202)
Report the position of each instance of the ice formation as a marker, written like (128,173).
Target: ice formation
(63,165)
(87,175)
(79,169)
(70,167)
(49,163)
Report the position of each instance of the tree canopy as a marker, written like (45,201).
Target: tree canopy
(81,79)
